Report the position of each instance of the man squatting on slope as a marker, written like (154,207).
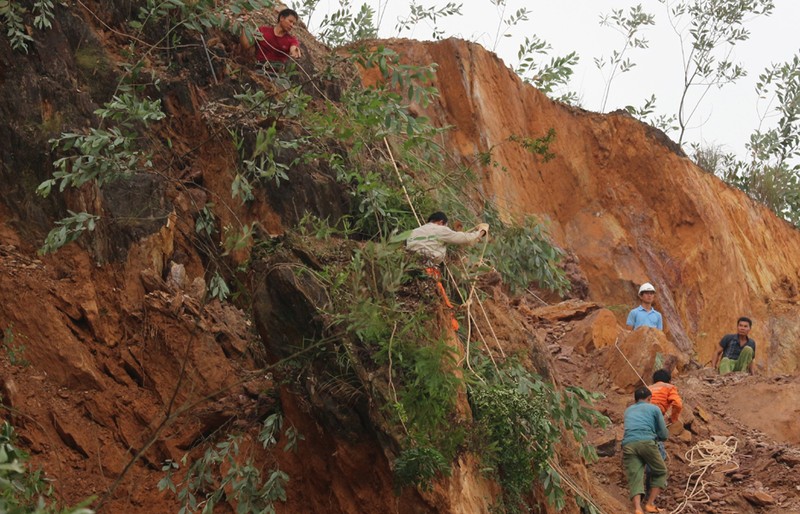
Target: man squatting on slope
(645,315)
(736,351)
(429,241)
(644,425)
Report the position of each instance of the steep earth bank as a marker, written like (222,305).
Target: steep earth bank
(108,360)
(628,203)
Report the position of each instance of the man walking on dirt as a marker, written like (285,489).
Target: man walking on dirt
(736,351)
(665,395)
(644,425)
(645,315)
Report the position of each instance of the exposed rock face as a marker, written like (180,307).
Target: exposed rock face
(113,348)
(631,208)
(637,355)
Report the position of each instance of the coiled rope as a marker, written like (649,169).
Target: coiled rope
(703,456)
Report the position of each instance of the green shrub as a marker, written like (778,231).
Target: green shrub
(523,253)
(418,467)
(521,418)
(14,351)
(374,311)
(13,14)
(23,491)
(223,473)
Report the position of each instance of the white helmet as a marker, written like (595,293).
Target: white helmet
(647,287)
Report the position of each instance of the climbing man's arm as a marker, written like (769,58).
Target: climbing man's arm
(661,427)
(675,400)
(450,236)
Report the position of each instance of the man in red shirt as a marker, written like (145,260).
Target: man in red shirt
(276,44)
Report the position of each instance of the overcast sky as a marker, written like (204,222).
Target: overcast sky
(726,117)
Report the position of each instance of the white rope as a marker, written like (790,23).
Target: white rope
(616,345)
(402,184)
(704,456)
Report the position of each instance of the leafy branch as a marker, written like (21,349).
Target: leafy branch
(13,15)
(708,31)
(629,26)
(547,77)
(419,13)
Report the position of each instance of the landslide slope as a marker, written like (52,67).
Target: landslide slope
(109,370)
(628,203)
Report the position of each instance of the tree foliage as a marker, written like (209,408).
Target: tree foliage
(552,76)
(226,474)
(628,25)
(708,31)
(14,15)
(419,13)
(522,417)
(771,174)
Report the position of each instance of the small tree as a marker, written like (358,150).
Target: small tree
(708,31)
(772,173)
(629,26)
(506,23)
(344,26)
(418,13)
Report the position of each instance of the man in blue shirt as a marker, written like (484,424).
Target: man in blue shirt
(644,425)
(645,315)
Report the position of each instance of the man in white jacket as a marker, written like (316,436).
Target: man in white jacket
(429,241)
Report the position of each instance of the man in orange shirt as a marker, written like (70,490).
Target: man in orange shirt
(666,398)
(665,395)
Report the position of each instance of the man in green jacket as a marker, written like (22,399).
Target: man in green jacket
(644,425)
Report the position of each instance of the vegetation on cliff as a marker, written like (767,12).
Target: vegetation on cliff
(380,334)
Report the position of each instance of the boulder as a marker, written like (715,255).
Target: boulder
(9,393)
(287,309)
(635,356)
(790,458)
(703,414)
(686,419)
(606,444)
(598,329)
(568,310)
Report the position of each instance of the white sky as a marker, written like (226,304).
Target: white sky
(726,117)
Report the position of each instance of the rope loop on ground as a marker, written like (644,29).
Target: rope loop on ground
(705,455)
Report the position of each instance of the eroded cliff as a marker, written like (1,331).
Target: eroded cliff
(628,203)
(111,370)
